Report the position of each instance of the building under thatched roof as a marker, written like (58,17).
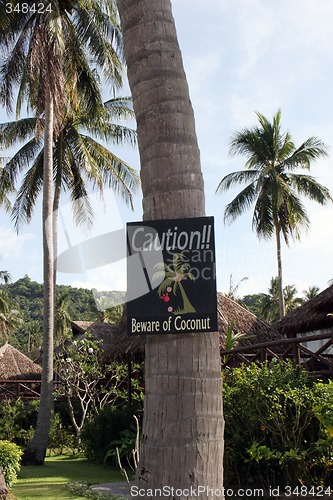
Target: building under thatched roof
(118,345)
(15,365)
(311,317)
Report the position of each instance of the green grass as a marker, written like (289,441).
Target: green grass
(48,482)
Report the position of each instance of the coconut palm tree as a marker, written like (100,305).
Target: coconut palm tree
(5,277)
(311,292)
(272,185)
(180,445)
(79,159)
(10,316)
(62,318)
(47,60)
(33,332)
(269,304)
(233,290)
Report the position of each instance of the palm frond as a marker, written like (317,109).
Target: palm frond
(262,221)
(241,202)
(28,193)
(311,150)
(234,178)
(158,275)
(13,132)
(94,36)
(18,163)
(114,172)
(310,187)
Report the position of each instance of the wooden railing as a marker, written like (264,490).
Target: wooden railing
(23,389)
(319,362)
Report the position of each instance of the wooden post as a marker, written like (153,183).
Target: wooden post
(297,354)
(263,354)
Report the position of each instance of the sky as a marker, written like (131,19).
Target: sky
(240,57)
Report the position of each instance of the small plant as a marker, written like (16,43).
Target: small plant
(127,446)
(82,489)
(10,458)
(232,340)
(103,429)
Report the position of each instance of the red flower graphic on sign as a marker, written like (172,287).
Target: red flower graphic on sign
(174,275)
(165,297)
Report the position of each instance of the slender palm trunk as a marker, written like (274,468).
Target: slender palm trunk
(279,262)
(182,443)
(55,215)
(36,451)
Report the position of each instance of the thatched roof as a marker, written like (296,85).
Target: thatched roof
(118,344)
(257,331)
(15,365)
(309,317)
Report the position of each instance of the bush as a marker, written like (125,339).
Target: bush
(10,458)
(105,428)
(279,426)
(61,439)
(18,421)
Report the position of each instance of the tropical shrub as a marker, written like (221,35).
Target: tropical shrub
(105,428)
(126,447)
(62,439)
(279,426)
(18,420)
(10,458)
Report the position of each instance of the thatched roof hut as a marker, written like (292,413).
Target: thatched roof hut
(15,365)
(312,316)
(118,345)
(256,330)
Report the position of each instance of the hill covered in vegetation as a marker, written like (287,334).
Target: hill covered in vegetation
(72,304)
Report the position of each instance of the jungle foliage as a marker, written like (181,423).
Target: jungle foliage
(279,427)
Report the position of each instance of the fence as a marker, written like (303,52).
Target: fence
(318,362)
(23,389)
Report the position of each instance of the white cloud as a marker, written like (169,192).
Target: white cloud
(103,279)
(11,244)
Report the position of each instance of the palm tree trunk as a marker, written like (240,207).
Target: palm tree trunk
(279,262)
(36,451)
(55,215)
(182,443)
(3,486)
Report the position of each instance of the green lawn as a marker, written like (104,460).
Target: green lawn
(48,482)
